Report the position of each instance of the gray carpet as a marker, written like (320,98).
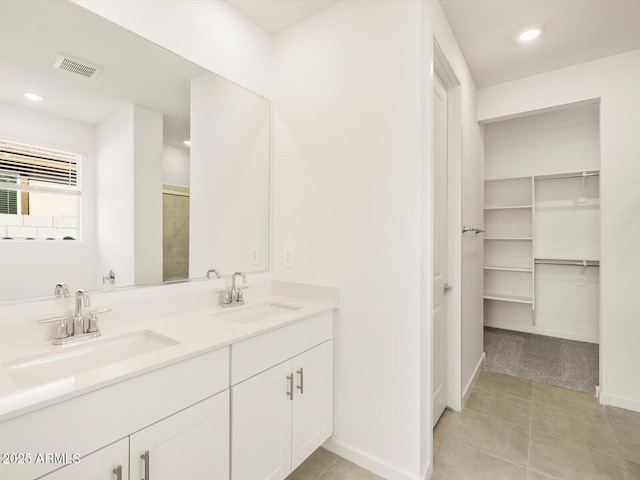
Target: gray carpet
(565,363)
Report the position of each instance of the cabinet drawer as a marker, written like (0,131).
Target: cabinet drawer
(259,353)
(87,423)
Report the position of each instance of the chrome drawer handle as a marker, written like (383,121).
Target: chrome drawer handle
(145,459)
(301,386)
(118,472)
(290,389)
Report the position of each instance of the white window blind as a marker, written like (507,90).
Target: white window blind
(29,168)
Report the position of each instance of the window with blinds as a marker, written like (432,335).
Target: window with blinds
(39,192)
(8,198)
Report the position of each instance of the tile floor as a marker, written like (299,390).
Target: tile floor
(517,429)
(323,464)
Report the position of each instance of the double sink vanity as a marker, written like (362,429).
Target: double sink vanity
(158,170)
(214,393)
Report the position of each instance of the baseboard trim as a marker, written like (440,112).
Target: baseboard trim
(617,401)
(472,380)
(541,331)
(371,463)
(426,475)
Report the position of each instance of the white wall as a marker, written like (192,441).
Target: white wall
(175,166)
(348,196)
(615,81)
(229,207)
(210,33)
(566,140)
(147,195)
(115,201)
(32,269)
(129,193)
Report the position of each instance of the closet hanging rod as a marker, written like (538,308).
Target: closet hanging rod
(578,263)
(562,176)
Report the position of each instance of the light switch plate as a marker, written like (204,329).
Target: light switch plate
(289,256)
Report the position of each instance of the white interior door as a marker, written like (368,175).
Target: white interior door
(440,225)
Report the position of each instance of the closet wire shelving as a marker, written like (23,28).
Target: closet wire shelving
(521,206)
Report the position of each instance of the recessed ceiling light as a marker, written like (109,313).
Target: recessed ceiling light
(530,34)
(33,97)
(187,143)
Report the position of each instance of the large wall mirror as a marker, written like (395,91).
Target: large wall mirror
(117,155)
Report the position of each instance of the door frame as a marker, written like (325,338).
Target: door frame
(436,63)
(442,68)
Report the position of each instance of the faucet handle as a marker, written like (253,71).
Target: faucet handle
(225,297)
(61,329)
(94,324)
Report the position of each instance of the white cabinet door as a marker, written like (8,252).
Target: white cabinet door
(312,401)
(193,444)
(261,419)
(100,465)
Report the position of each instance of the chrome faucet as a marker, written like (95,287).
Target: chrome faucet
(234,296)
(82,298)
(62,290)
(79,331)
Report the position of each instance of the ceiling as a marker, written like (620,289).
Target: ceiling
(273,16)
(135,71)
(577,31)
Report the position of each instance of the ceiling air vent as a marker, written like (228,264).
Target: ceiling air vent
(76,66)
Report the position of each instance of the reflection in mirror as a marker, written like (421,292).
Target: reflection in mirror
(96,170)
(230,152)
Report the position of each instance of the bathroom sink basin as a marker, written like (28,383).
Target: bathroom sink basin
(255,313)
(68,361)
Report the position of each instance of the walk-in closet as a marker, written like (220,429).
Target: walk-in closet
(542,246)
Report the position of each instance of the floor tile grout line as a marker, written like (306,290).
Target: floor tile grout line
(500,392)
(444,435)
(624,460)
(609,454)
(530,427)
(546,475)
(330,467)
(567,410)
(490,455)
(580,444)
(497,418)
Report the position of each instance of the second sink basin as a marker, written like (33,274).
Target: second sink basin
(255,313)
(39,369)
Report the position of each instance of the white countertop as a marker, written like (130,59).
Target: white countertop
(197,332)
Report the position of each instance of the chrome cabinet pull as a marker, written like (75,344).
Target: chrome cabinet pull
(145,459)
(289,390)
(301,386)
(118,472)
